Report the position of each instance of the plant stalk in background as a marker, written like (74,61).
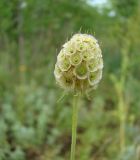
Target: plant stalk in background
(78,69)
(120,90)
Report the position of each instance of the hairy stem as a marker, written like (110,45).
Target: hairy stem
(74,125)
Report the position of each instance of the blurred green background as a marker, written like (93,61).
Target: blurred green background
(33,125)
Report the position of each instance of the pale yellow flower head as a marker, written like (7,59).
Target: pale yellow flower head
(79,64)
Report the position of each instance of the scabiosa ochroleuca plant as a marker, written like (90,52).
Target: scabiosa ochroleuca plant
(78,68)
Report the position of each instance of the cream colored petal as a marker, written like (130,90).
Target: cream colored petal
(61,55)
(75,59)
(92,64)
(94,77)
(70,49)
(64,64)
(66,82)
(57,71)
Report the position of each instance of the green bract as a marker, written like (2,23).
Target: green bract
(79,64)
(81,71)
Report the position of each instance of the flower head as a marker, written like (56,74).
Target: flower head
(79,64)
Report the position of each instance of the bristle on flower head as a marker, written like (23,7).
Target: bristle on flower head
(79,64)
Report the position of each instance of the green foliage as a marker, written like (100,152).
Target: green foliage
(125,8)
(33,125)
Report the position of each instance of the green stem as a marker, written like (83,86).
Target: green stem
(74,125)
(122,114)
(122,135)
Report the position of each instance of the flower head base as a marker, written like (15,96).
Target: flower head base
(79,64)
